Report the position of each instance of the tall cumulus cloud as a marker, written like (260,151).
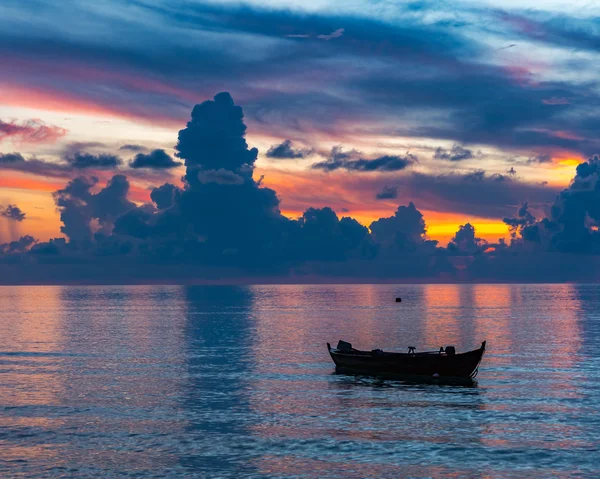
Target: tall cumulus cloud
(222,216)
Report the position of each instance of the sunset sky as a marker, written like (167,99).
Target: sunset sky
(472,107)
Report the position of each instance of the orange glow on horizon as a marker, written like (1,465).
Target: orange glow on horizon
(440,226)
(570,161)
(32,192)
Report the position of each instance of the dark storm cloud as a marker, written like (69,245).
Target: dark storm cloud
(214,138)
(225,224)
(78,206)
(285,150)
(574,219)
(324,237)
(351,161)
(523,218)
(577,209)
(222,215)
(465,240)
(164,196)
(72,202)
(156,159)
(22,245)
(404,231)
(53,247)
(12,212)
(457,153)
(220,176)
(82,160)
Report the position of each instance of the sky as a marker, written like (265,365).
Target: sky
(466,109)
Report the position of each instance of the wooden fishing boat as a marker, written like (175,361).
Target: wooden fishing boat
(445,363)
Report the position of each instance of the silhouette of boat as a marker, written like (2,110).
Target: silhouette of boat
(444,364)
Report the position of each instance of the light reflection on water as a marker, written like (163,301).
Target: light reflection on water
(236,382)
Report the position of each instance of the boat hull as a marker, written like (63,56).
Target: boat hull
(464,365)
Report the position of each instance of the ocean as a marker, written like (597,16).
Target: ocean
(236,381)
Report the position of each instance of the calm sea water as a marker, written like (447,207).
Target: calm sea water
(236,382)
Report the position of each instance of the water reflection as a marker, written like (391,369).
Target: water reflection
(218,332)
(237,382)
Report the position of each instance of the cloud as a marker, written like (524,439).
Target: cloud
(476,193)
(482,195)
(222,215)
(223,218)
(164,196)
(324,237)
(285,150)
(20,246)
(453,92)
(404,231)
(574,219)
(465,241)
(335,34)
(156,159)
(16,162)
(339,159)
(82,160)
(556,101)
(78,206)
(563,31)
(542,158)
(132,147)
(577,209)
(387,193)
(68,167)
(8,159)
(12,212)
(523,219)
(30,131)
(214,138)
(220,176)
(76,147)
(72,202)
(457,153)
(532,160)
(52,247)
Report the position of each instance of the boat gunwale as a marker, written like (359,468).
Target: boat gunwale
(382,354)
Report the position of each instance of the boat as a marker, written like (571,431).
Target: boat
(444,363)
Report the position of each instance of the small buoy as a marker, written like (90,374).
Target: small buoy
(398,300)
(436,375)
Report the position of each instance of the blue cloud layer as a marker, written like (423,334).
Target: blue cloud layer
(443,78)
